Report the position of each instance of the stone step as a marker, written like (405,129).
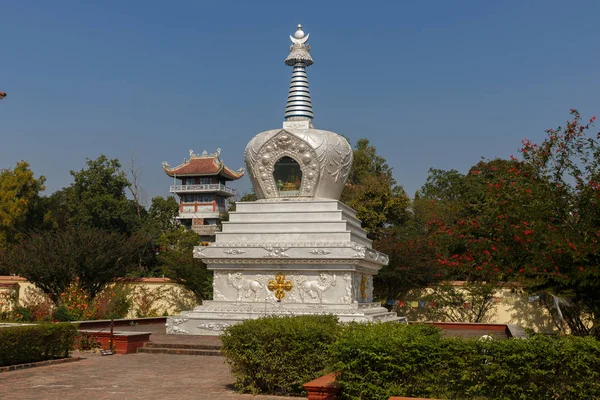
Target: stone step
(181,352)
(306,216)
(183,346)
(286,237)
(291,206)
(286,226)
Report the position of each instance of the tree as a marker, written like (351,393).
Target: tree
(134,186)
(19,201)
(162,214)
(535,221)
(446,186)
(447,301)
(178,263)
(89,257)
(412,262)
(97,198)
(570,160)
(372,191)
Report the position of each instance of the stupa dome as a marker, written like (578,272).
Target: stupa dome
(298,161)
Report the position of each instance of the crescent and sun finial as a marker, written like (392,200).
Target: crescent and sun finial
(299,37)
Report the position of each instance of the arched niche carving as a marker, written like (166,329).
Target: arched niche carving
(288,176)
(285,146)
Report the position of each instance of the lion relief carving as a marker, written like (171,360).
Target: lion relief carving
(245,287)
(315,289)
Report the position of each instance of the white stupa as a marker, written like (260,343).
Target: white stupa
(297,250)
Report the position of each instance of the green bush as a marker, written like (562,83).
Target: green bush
(63,314)
(23,314)
(30,343)
(278,354)
(377,361)
(382,360)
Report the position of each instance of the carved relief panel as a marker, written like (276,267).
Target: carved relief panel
(323,287)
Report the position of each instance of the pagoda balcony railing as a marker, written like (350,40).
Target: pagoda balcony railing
(209,187)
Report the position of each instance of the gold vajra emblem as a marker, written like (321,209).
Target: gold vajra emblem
(280,286)
(363,287)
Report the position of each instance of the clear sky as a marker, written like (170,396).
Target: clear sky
(430,83)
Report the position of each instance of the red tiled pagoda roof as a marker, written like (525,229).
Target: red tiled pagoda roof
(203,166)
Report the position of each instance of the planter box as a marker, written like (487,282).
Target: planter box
(123,342)
(323,388)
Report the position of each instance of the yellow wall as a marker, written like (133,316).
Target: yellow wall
(166,297)
(510,305)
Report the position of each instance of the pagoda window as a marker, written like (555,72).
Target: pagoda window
(288,176)
(205,180)
(204,198)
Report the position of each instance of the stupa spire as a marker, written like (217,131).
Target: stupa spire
(299,105)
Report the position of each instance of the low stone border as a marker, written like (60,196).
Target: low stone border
(39,364)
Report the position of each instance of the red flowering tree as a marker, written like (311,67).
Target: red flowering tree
(534,220)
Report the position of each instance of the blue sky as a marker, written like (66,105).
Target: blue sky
(431,83)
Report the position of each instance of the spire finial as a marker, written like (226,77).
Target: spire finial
(299,32)
(299,105)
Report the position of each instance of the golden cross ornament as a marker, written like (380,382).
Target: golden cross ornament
(280,286)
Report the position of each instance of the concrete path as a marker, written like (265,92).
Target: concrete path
(133,376)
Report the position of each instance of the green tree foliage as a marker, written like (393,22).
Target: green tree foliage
(383,208)
(97,198)
(19,201)
(372,191)
(90,257)
(162,213)
(442,185)
(177,261)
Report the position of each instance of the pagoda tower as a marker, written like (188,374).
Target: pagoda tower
(297,250)
(200,182)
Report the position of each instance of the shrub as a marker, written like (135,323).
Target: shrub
(8,301)
(88,341)
(181,299)
(38,303)
(382,360)
(25,344)
(146,301)
(63,314)
(79,303)
(23,314)
(113,302)
(278,354)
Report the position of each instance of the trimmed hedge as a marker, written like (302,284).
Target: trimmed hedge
(31,343)
(377,361)
(278,354)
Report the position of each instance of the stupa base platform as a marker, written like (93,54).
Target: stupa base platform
(213,317)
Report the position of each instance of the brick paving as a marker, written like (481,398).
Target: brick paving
(133,376)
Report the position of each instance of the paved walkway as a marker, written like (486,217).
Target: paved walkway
(133,376)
